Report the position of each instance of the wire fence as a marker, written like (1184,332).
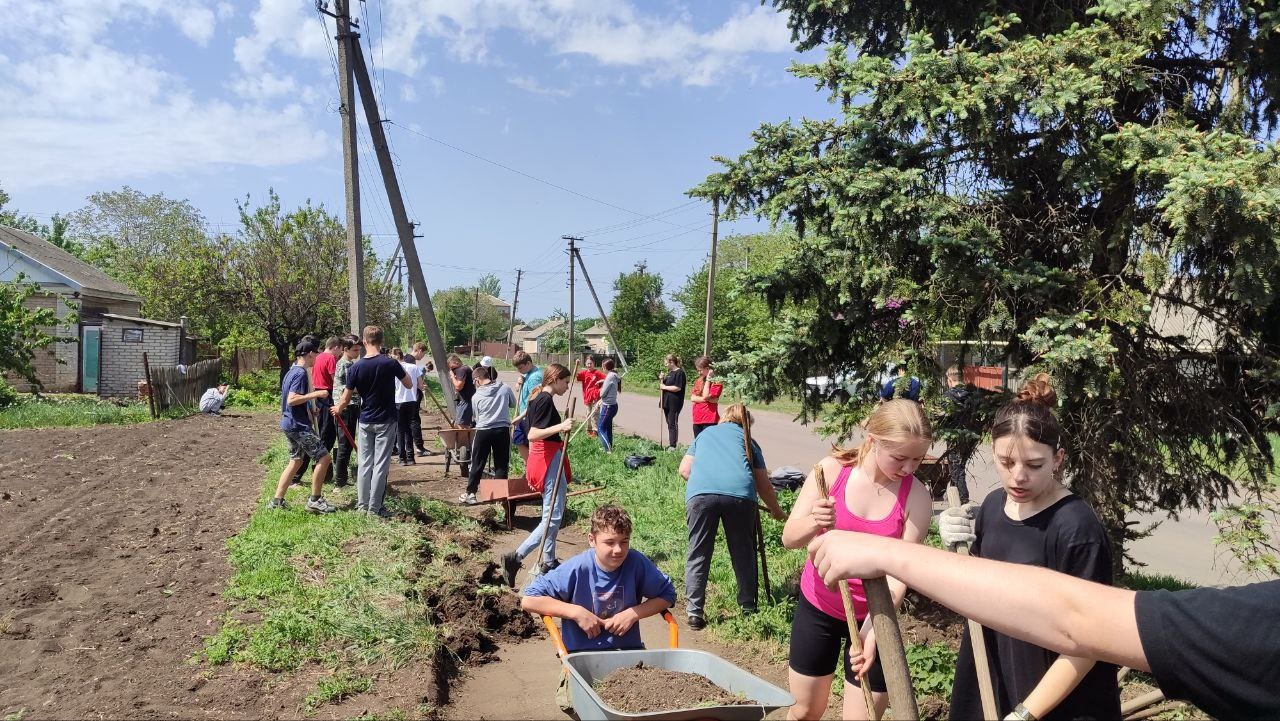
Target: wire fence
(181,386)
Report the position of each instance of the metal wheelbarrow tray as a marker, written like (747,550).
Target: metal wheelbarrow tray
(588,667)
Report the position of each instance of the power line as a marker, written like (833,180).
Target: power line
(605,230)
(521,173)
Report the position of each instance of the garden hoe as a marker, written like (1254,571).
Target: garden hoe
(986,691)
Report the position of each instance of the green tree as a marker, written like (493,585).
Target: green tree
(287,273)
(55,232)
(1092,182)
(23,329)
(457,310)
(490,284)
(638,309)
(159,247)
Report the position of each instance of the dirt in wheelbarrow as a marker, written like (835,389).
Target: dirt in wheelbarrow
(646,689)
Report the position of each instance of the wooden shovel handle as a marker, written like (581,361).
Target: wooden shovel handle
(977,639)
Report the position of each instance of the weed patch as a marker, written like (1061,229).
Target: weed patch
(359,595)
(55,411)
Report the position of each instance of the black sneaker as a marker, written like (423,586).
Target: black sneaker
(510,567)
(697,623)
(548,567)
(423,453)
(383,513)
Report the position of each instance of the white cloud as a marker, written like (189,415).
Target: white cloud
(285,26)
(407,93)
(531,84)
(92,112)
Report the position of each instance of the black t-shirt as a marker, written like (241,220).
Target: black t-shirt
(375,379)
(1067,537)
(674,399)
(1218,648)
(543,414)
(463,374)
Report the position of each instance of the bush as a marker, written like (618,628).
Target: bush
(933,669)
(8,394)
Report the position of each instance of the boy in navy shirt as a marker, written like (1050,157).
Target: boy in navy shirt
(604,591)
(295,421)
(374,377)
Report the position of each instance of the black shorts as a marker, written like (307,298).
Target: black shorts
(815,646)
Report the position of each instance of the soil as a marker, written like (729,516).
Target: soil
(645,689)
(113,561)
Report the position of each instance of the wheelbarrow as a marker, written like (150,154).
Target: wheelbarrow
(585,668)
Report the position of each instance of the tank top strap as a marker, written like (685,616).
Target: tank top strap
(904,490)
(837,489)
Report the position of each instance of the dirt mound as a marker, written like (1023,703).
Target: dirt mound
(925,621)
(645,689)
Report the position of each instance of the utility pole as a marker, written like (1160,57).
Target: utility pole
(572,254)
(711,276)
(475,321)
(603,316)
(404,230)
(350,168)
(515,303)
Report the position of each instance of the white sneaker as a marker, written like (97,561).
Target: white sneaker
(470,499)
(462,497)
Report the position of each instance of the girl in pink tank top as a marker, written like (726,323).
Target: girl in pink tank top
(874,491)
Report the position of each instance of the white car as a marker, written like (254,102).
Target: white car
(844,385)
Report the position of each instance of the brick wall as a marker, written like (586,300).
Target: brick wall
(57,378)
(122,362)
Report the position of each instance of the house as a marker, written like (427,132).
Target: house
(110,334)
(518,333)
(499,305)
(531,339)
(597,338)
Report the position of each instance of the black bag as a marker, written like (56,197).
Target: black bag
(634,461)
(786,478)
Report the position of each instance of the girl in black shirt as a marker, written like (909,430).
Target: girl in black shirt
(672,385)
(1035,520)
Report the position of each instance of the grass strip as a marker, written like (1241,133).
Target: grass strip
(341,590)
(66,410)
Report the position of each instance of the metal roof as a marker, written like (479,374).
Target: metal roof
(40,251)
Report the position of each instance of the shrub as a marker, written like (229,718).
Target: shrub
(8,394)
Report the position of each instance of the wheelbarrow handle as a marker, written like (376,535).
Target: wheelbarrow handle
(553,628)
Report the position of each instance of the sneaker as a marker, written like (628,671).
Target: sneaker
(471,499)
(340,484)
(697,623)
(423,452)
(546,568)
(383,513)
(510,566)
(277,503)
(320,505)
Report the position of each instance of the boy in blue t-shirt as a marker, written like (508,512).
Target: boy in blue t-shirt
(295,421)
(605,591)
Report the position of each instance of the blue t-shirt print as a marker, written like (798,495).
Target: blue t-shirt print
(294,418)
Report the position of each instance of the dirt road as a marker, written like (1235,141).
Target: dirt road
(1182,547)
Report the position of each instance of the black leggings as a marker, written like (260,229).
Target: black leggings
(673,422)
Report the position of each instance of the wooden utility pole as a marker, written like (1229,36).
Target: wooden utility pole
(572,251)
(711,276)
(403,228)
(475,321)
(604,317)
(350,168)
(515,303)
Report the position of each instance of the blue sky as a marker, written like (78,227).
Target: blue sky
(208,100)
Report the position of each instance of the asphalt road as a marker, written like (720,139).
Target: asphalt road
(1182,547)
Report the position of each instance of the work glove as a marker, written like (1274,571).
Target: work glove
(955,524)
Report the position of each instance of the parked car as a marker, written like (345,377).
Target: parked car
(844,386)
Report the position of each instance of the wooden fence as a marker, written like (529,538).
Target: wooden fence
(182,386)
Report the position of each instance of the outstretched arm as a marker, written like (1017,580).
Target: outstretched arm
(1052,610)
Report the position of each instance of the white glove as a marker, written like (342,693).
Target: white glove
(955,525)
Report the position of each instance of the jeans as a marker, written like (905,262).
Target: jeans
(673,422)
(605,426)
(342,458)
(555,491)
(374,440)
(497,440)
(466,414)
(407,412)
(704,513)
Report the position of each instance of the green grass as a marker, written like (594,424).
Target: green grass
(55,411)
(1139,581)
(341,590)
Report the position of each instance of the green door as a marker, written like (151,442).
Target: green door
(90,358)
